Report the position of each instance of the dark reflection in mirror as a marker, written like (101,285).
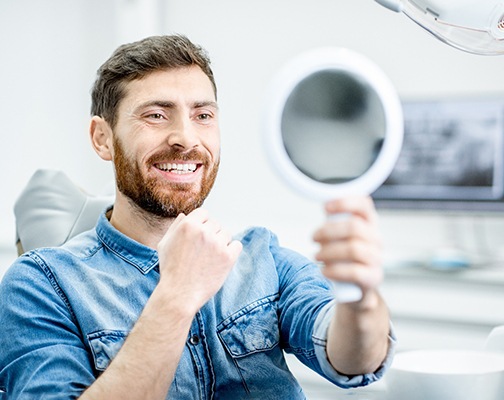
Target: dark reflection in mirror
(333,126)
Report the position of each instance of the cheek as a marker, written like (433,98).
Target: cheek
(212,144)
(138,152)
(124,152)
(216,153)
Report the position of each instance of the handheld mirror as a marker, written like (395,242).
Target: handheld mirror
(334,129)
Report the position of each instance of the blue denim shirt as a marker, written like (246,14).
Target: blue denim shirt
(65,312)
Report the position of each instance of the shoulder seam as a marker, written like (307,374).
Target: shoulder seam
(52,280)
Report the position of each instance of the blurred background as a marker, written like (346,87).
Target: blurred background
(445,275)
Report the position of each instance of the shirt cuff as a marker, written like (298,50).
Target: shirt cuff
(320,343)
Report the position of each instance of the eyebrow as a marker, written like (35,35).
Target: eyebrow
(170,104)
(200,104)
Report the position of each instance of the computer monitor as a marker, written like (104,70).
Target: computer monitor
(452,157)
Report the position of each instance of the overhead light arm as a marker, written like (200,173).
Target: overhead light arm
(475,26)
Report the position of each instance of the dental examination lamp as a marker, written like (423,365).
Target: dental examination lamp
(333,129)
(475,26)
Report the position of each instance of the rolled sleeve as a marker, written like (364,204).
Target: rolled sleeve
(320,331)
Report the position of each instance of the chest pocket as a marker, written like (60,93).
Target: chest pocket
(251,338)
(252,329)
(105,345)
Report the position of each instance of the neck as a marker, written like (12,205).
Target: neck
(138,224)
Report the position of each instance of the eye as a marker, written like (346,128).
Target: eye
(155,116)
(204,117)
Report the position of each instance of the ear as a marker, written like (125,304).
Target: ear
(101,137)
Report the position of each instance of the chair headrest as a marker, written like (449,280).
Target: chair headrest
(52,209)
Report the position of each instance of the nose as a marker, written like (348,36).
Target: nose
(183,134)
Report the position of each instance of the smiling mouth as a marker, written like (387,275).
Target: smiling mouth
(178,168)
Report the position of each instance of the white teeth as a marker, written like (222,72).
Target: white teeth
(178,168)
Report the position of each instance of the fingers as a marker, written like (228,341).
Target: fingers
(199,227)
(365,276)
(362,206)
(352,227)
(211,226)
(352,260)
(235,247)
(351,247)
(354,250)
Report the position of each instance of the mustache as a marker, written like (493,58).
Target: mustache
(179,155)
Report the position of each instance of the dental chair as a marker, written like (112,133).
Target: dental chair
(52,209)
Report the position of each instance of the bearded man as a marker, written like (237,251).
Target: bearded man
(159,301)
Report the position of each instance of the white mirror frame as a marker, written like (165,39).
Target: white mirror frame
(361,68)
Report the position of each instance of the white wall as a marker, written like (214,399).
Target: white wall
(50,51)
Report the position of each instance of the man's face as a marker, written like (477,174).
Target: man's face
(167,141)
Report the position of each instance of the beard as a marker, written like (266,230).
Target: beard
(161,198)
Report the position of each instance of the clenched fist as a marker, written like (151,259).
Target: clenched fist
(195,256)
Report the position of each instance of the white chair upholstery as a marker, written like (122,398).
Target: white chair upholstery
(52,209)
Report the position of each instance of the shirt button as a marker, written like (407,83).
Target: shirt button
(194,339)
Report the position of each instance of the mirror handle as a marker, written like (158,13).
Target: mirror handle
(346,292)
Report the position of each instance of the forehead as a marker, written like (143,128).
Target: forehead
(187,84)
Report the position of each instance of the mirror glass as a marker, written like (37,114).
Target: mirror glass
(333,126)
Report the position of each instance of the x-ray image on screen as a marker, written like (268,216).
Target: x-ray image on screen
(452,152)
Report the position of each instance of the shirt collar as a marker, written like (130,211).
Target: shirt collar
(140,256)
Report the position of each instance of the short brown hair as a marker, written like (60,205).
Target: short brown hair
(136,60)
